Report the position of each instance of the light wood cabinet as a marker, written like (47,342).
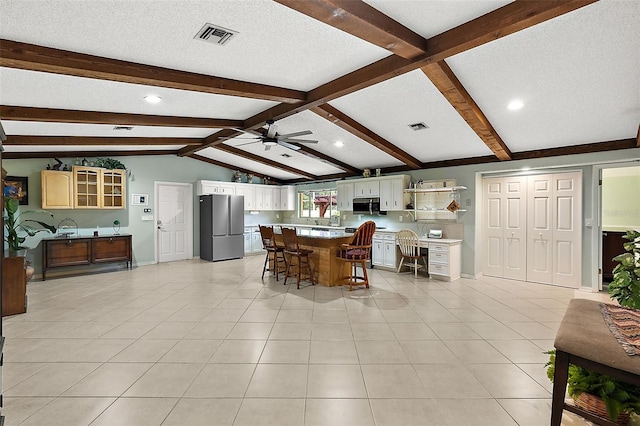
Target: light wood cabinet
(84,188)
(113,189)
(86,182)
(57,189)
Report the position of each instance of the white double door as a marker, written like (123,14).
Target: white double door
(533,228)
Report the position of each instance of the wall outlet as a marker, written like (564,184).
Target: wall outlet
(359,217)
(468,202)
(588,223)
(277,216)
(400,218)
(344,217)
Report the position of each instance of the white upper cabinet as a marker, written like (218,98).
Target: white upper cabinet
(392,196)
(366,188)
(345,196)
(256,197)
(287,198)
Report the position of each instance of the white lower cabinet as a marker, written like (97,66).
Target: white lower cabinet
(445,261)
(252,240)
(384,250)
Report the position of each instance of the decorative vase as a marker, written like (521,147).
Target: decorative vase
(595,405)
(249,178)
(366,173)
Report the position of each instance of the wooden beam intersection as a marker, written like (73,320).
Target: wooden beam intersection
(262,160)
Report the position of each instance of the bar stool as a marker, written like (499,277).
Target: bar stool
(358,252)
(275,253)
(293,250)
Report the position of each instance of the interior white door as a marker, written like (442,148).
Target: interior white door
(505,215)
(515,227)
(554,235)
(174,221)
(540,229)
(493,264)
(567,231)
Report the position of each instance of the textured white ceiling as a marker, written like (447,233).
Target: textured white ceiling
(577,74)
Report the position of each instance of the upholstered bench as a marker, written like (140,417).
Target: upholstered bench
(584,339)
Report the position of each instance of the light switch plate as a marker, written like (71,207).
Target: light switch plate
(147,218)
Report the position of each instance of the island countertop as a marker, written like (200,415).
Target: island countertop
(325,245)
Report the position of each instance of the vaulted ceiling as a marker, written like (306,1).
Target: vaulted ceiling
(356,72)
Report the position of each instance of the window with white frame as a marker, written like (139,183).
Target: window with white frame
(318,204)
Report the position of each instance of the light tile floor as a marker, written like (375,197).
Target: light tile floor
(200,343)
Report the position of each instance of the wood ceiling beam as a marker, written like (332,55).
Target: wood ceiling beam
(501,22)
(92,154)
(96,141)
(452,89)
(576,149)
(316,155)
(52,115)
(347,123)
(223,164)
(363,21)
(31,57)
(262,160)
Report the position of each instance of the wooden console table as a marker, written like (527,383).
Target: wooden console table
(14,285)
(78,251)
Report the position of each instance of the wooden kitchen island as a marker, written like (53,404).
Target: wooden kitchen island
(325,246)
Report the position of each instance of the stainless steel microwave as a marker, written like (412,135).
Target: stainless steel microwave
(367,206)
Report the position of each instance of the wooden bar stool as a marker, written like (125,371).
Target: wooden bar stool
(358,252)
(275,260)
(293,250)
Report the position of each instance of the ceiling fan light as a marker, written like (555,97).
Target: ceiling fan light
(269,142)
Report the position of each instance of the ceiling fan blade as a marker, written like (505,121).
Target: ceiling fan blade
(288,145)
(291,135)
(271,131)
(297,140)
(246,143)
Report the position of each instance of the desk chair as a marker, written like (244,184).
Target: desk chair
(409,245)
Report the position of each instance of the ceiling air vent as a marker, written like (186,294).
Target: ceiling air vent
(117,128)
(418,126)
(286,155)
(215,34)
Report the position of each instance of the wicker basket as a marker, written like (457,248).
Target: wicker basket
(595,405)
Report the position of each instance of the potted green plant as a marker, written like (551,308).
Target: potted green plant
(619,399)
(625,287)
(14,224)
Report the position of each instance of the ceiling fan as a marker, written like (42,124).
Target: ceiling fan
(270,137)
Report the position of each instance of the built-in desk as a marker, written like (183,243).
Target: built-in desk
(79,251)
(445,257)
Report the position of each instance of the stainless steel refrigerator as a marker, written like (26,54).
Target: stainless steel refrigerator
(221,227)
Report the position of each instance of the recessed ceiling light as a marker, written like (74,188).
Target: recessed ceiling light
(153,99)
(515,105)
(526,169)
(285,155)
(339,144)
(123,128)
